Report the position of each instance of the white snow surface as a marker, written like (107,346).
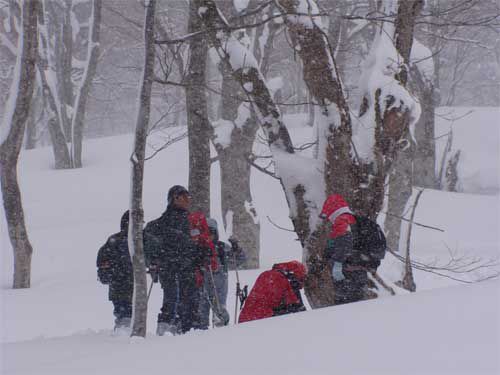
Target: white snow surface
(447,331)
(476,133)
(62,324)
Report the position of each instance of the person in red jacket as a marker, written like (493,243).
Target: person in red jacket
(276,292)
(349,279)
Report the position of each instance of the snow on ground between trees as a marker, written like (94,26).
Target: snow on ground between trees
(70,214)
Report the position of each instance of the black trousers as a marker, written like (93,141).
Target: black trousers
(351,289)
(179,299)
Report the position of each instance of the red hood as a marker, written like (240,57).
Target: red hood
(337,211)
(294,267)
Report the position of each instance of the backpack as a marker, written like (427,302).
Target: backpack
(369,241)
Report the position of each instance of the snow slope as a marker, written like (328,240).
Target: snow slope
(446,331)
(63,320)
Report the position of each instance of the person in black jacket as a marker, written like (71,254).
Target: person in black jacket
(114,268)
(175,263)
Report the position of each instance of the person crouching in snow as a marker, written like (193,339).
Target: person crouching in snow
(276,292)
(349,280)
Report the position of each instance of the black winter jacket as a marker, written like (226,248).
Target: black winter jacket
(176,252)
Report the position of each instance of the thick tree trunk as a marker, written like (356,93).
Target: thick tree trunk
(237,204)
(85,85)
(135,236)
(238,212)
(13,129)
(197,117)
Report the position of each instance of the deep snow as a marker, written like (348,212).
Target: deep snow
(62,324)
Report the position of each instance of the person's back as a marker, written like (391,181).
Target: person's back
(114,268)
(276,292)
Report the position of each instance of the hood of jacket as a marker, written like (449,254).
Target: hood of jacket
(294,267)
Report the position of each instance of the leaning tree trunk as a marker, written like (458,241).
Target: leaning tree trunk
(135,235)
(85,85)
(362,182)
(12,132)
(197,117)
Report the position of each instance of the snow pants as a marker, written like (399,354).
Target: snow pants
(179,299)
(352,288)
(208,299)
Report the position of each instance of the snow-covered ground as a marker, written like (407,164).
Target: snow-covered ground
(63,323)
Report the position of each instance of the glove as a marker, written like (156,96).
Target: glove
(234,244)
(337,273)
(154,271)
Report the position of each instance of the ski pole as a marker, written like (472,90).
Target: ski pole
(150,289)
(377,277)
(238,290)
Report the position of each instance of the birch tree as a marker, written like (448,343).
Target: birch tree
(135,235)
(11,138)
(53,114)
(83,92)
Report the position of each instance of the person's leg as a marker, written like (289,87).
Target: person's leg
(203,308)
(187,301)
(221,285)
(122,312)
(167,315)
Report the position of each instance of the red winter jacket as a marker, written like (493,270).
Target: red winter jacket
(201,236)
(336,210)
(273,294)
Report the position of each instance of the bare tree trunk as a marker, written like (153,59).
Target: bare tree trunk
(236,198)
(197,118)
(238,212)
(425,151)
(135,237)
(63,49)
(31,133)
(85,85)
(400,189)
(56,132)
(12,134)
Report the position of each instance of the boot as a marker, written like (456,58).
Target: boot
(164,327)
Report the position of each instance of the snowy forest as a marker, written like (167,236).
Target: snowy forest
(304,186)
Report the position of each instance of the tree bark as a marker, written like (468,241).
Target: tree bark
(56,132)
(197,118)
(79,107)
(425,150)
(400,190)
(238,212)
(14,125)
(135,237)
(236,196)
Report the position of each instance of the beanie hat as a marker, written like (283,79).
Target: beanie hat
(175,191)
